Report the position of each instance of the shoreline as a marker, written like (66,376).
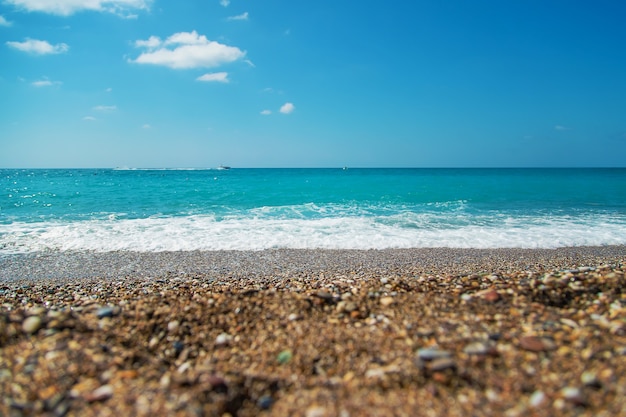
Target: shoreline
(314,333)
(272,262)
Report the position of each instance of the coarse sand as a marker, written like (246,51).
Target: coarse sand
(411,332)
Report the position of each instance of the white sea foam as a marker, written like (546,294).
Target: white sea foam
(364,232)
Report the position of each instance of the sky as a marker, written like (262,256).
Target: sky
(280,83)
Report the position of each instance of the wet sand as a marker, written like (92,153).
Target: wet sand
(315,333)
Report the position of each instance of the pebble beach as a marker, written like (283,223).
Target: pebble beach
(411,332)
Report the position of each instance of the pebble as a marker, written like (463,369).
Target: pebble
(536,399)
(172,326)
(429,354)
(265,402)
(573,395)
(590,379)
(441,364)
(284,357)
(490,296)
(100,394)
(476,348)
(106,311)
(223,339)
(347,306)
(386,301)
(32,324)
(536,344)
(315,411)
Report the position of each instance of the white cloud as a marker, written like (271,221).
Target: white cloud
(45,83)
(287,108)
(146,126)
(105,108)
(220,77)
(225,3)
(190,51)
(186,38)
(69,7)
(4,22)
(37,47)
(243,16)
(559,127)
(266,112)
(89,118)
(152,42)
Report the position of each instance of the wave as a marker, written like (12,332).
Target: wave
(401,230)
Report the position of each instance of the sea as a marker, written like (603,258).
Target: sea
(153,210)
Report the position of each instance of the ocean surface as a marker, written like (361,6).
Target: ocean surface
(150,210)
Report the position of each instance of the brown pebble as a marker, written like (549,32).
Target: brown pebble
(536,344)
(491,295)
(127,374)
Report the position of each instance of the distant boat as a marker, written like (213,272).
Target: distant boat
(223,167)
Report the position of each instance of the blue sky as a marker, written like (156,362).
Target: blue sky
(268,83)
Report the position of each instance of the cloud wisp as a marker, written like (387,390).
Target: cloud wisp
(243,16)
(287,108)
(105,108)
(4,22)
(220,77)
(69,7)
(45,83)
(39,47)
(185,50)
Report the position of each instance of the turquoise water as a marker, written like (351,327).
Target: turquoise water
(156,210)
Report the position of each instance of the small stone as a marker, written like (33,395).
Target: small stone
(490,296)
(429,354)
(536,344)
(324,295)
(100,394)
(315,411)
(573,395)
(386,301)
(172,326)
(284,357)
(536,399)
(31,324)
(36,311)
(106,311)
(441,364)
(590,379)
(265,402)
(154,341)
(476,348)
(570,323)
(223,339)
(178,346)
(346,306)
(375,373)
